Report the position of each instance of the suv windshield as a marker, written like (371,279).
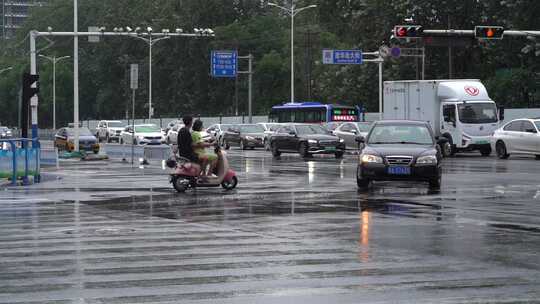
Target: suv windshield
(82,132)
(472,113)
(400,134)
(147,129)
(116,124)
(310,130)
(251,129)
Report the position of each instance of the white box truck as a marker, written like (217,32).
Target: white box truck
(459,110)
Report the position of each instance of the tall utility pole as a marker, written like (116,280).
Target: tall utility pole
(54,60)
(75,76)
(292,11)
(450,63)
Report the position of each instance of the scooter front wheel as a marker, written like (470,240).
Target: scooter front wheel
(180,184)
(229,185)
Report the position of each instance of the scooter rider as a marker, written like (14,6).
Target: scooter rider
(186,146)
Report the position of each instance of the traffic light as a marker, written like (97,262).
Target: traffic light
(408,31)
(488,32)
(28,81)
(27,93)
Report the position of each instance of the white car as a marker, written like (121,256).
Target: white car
(217,131)
(269,129)
(109,130)
(172,134)
(350,130)
(148,134)
(520,136)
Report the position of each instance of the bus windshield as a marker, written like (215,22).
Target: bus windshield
(476,113)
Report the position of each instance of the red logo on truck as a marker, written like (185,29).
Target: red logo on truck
(473,91)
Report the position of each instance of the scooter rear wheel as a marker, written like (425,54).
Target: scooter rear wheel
(229,185)
(180,184)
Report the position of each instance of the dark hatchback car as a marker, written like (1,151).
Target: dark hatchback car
(306,140)
(245,136)
(400,151)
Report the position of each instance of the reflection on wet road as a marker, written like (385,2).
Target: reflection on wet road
(294,231)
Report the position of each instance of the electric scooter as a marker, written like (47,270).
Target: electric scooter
(186,174)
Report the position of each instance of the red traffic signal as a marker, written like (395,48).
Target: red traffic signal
(489,32)
(408,31)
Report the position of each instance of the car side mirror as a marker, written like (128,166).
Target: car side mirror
(360,139)
(354,131)
(531,131)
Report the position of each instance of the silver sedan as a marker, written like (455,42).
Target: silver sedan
(350,130)
(520,136)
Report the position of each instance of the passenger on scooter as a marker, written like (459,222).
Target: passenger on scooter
(206,158)
(185,142)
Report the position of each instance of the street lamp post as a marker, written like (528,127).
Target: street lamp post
(6,69)
(151,41)
(54,60)
(292,11)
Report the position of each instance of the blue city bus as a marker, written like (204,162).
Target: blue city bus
(314,112)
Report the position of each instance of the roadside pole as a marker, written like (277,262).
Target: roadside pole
(134,84)
(250,85)
(379,60)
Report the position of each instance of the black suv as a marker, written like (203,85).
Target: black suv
(400,150)
(307,140)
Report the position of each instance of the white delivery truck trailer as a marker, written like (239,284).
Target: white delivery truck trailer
(459,110)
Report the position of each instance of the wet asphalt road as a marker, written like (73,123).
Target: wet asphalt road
(294,231)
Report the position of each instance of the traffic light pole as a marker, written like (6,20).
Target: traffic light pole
(250,85)
(34,99)
(470,33)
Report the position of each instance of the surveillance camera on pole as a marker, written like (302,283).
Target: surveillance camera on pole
(129,29)
(179,31)
(149,29)
(102,29)
(49,29)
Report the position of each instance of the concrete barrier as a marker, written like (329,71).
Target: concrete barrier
(147,153)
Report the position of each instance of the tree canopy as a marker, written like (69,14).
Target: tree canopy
(181,66)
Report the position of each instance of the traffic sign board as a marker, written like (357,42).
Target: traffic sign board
(134,73)
(342,57)
(224,63)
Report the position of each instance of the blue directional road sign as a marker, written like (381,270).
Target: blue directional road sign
(224,63)
(342,57)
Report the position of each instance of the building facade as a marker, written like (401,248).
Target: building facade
(14,14)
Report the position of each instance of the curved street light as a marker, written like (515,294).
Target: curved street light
(6,69)
(54,60)
(292,11)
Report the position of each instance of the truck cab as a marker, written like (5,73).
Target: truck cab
(468,116)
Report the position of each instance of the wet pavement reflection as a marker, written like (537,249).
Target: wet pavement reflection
(293,231)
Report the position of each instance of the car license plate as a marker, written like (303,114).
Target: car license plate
(399,170)
(331,149)
(482,142)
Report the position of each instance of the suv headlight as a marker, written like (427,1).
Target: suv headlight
(373,159)
(312,141)
(427,160)
(341,140)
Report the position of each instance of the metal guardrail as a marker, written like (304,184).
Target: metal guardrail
(147,153)
(15,151)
